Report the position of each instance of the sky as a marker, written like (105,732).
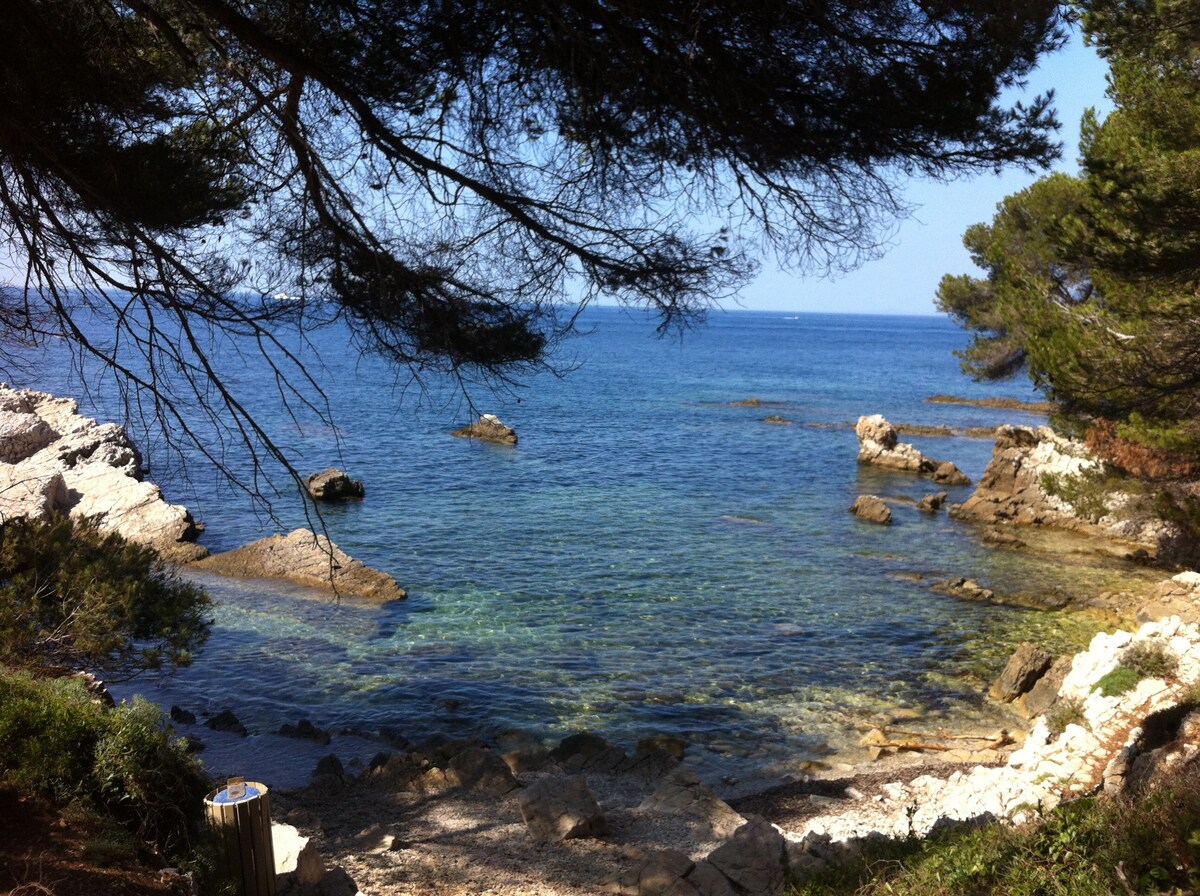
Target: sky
(929,244)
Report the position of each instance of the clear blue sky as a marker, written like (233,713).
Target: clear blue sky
(929,244)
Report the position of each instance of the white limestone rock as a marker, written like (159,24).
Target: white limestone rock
(1013,491)
(52,459)
(1045,770)
(879,445)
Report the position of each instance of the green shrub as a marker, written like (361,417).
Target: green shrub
(71,596)
(1150,659)
(1089,492)
(1117,682)
(1141,659)
(145,779)
(48,735)
(1064,712)
(58,743)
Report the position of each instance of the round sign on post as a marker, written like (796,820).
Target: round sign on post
(240,813)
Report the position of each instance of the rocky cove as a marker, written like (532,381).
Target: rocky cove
(663,830)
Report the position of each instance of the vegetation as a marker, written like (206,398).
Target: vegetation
(1140,843)
(1065,711)
(1089,492)
(1141,659)
(73,597)
(1090,282)
(58,742)
(443,175)
(1118,681)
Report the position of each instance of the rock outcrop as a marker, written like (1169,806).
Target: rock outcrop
(1013,491)
(334,485)
(308,559)
(879,445)
(683,795)
(301,871)
(1012,488)
(932,503)
(489,429)
(1026,666)
(1097,745)
(52,459)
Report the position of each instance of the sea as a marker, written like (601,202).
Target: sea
(652,558)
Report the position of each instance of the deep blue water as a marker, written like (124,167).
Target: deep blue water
(649,559)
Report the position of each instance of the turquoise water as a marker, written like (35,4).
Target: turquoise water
(649,559)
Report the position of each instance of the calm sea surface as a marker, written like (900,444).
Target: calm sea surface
(649,559)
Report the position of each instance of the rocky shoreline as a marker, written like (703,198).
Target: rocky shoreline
(588,816)
(54,460)
(460,817)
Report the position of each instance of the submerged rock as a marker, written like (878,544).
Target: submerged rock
(308,559)
(967,589)
(225,720)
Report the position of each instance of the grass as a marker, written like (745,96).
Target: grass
(1118,681)
(1147,843)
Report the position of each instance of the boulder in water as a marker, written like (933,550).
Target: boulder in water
(308,559)
(879,445)
(488,428)
(333,484)
(872,509)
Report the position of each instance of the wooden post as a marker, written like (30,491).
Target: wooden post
(240,813)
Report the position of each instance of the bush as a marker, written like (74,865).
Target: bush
(1065,711)
(145,779)
(1090,492)
(1150,659)
(71,596)
(1141,659)
(57,742)
(48,735)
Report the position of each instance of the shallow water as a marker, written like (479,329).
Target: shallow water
(648,559)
